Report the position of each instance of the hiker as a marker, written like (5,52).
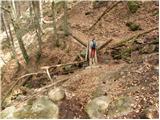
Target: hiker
(93,51)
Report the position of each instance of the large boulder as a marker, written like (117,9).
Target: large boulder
(56,94)
(97,107)
(8,113)
(120,106)
(39,108)
(42,108)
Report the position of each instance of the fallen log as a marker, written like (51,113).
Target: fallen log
(132,38)
(105,12)
(78,40)
(45,88)
(16,82)
(60,65)
(104,44)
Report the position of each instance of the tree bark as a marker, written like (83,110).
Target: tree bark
(14,9)
(65,26)
(54,22)
(10,39)
(37,24)
(21,44)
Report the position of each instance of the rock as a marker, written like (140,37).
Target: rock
(56,94)
(133,6)
(8,113)
(83,53)
(133,26)
(152,113)
(42,108)
(148,48)
(97,107)
(120,107)
(98,4)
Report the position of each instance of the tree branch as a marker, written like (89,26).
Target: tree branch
(105,12)
(78,40)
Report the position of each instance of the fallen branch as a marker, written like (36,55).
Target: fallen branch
(78,40)
(42,90)
(104,44)
(48,74)
(15,83)
(60,65)
(132,37)
(105,12)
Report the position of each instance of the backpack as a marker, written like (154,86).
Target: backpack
(93,44)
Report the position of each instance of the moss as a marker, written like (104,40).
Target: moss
(120,106)
(133,6)
(133,26)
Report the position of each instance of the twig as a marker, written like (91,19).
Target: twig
(47,71)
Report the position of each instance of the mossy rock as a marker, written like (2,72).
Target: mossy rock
(41,107)
(56,94)
(133,6)
(98,4)
(97,107)
(120,106)
(83,53)
(8,113)
(133,26)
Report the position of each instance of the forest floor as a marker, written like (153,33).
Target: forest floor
(138,80)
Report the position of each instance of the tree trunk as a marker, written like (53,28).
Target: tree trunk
(30,9)
(41,14)
(54,23)
(38,29)
(10,39)
(12,45)
(65,26)
(21,44)
(14,8)
(18,8)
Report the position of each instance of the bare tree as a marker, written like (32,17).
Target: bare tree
(37,24)
(65,26)
(10,38)
(54,22)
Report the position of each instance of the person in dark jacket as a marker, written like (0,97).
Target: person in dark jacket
(93,50)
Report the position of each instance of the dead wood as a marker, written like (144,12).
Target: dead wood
(105,12)
(104,44)
(132,37)
(78,40)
